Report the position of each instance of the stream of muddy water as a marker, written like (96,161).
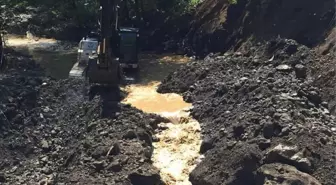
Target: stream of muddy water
(176,152)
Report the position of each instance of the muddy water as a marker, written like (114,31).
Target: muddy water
(177,152)
(56,57)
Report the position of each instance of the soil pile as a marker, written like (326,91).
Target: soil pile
(263,119)
(50,134)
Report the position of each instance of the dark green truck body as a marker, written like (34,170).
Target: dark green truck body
(129,46)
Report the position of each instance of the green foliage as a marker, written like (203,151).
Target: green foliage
(53,16)
(233,1)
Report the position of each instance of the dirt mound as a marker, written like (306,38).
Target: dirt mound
(220,25)
(50,134)
(258,107)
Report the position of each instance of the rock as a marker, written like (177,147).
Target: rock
(238,131)
(45,159)
(54,132)
(130,134)
(207,144)
(92,125)
(156,139)
(264,144)
(268,130)
(115,150)
(45,145)
(280,151)
(324,140)
(285,131)
(99,151)
(284,68)
(301,162)
(115,166)
(141,179)
(104,133)
(282,174)
(145,136)
(300,71)
(314,97)
(148,152)
(288,155)
(2,177)
(46,170)
(231,144)
(98,165)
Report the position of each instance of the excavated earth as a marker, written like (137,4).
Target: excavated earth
(50,134)
(262,118)
(266,110)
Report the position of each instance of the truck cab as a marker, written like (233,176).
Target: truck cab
(128,47)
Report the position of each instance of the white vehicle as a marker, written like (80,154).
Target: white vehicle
(87,47)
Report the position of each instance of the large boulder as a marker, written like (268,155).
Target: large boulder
(282,174)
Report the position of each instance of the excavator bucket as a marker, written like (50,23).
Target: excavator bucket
(97,74)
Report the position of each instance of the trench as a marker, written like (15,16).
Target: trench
(176,151)
(177,143)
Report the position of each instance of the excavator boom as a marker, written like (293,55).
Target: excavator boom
(103,68)
(96,61)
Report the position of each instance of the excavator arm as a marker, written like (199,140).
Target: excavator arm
(103,68)
(98,58)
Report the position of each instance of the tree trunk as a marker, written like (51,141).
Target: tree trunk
(137,13)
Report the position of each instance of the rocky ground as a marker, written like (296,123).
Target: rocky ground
(50,134)
(263,120)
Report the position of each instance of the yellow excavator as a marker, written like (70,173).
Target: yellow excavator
(102,56)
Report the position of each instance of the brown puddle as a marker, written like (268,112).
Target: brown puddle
(177,152)
(146,98)
(153,69)
(56,57)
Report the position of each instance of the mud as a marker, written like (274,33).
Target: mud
(251,101)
